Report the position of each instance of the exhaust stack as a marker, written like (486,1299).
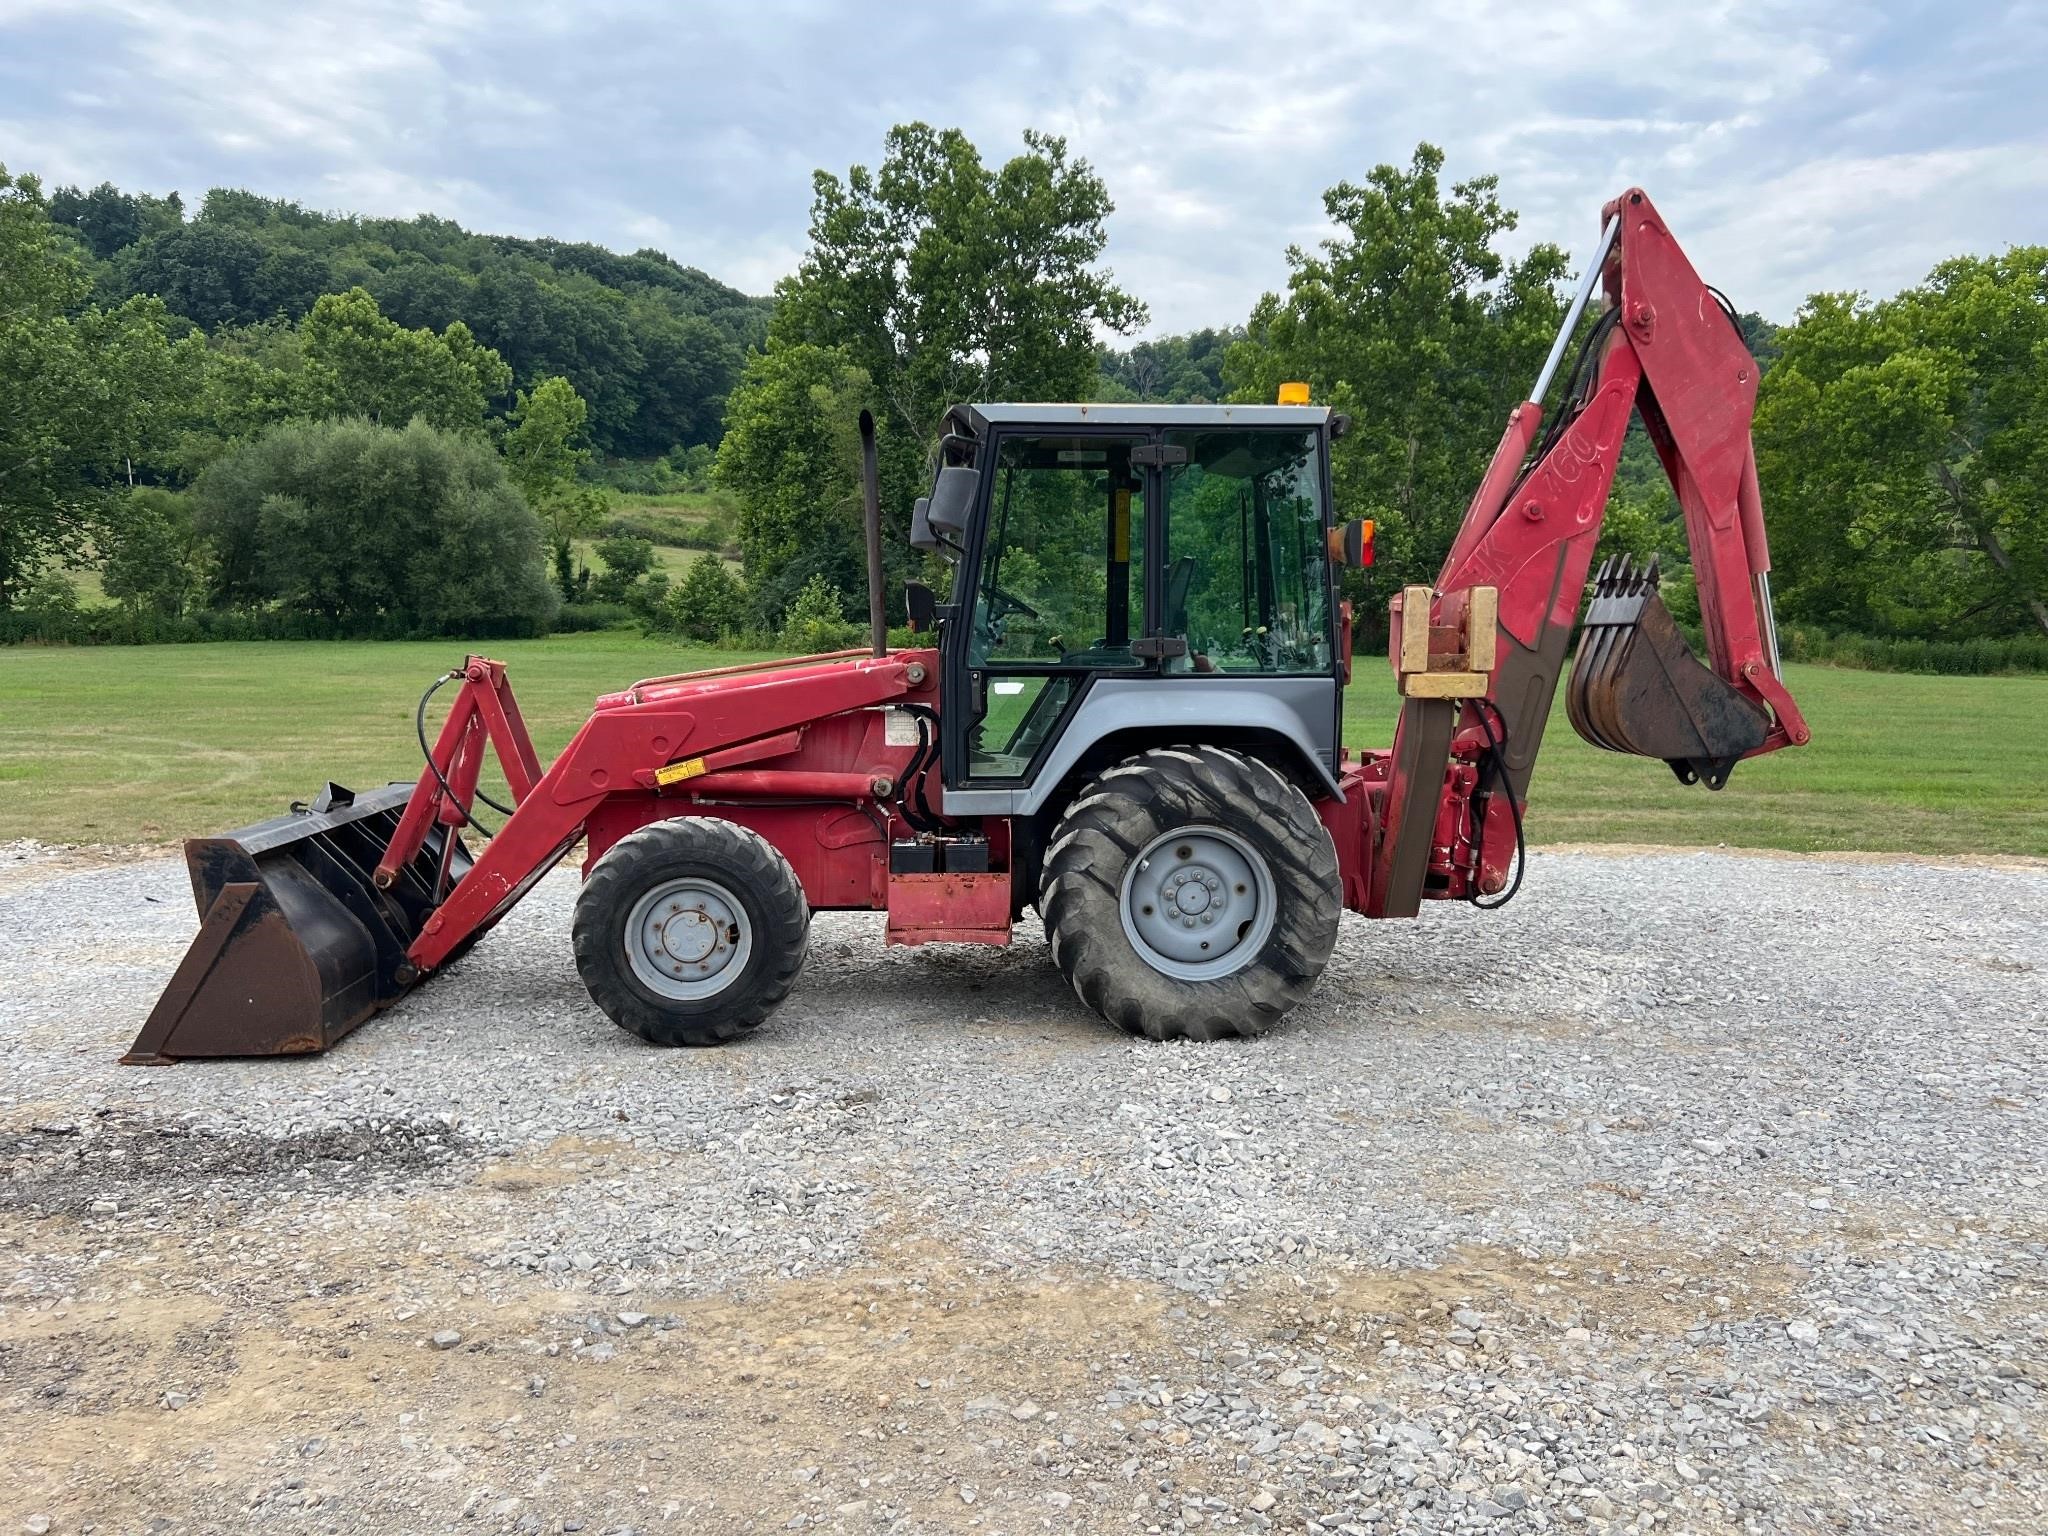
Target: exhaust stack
(871,515)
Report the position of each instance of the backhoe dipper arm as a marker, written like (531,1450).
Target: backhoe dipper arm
(1667,346)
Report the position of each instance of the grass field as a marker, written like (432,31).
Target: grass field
(672,559)
(685,511)
(684,506)
(123,744)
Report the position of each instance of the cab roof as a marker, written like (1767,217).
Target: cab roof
(978,417)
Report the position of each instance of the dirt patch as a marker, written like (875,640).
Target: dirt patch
(1649,1283)
(27,864)
(564,1161)
(151,1404)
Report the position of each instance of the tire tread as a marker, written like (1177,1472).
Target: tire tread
(1121,810)
(758,874)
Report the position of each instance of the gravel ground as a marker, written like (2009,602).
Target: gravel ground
(1693,1193)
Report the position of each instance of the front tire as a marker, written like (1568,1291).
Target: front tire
(689,932)
(1191,893)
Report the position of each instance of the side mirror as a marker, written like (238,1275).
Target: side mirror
(951,502)
(1351,543)
(921,607)
(921,535)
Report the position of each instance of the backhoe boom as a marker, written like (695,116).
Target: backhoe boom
(1667,346)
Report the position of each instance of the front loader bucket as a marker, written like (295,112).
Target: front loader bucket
(296,945)
(1637,687)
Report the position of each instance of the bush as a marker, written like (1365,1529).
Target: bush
(816,621)
(649,600)
(108,625)
(693,466)
(638,477)
(1980,657)
(680,469)
(372,529)
(708,602)
(50,600)
(574,618)
(713,533)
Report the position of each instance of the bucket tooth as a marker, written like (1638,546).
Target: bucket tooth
(1636,686)
(296,944)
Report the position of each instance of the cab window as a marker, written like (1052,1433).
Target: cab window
(1062,568)
(1246,578)
(1060,591)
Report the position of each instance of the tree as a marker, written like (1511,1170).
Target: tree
(1901,449)
(415,531)
(543,451)
(110,220)
(204,272)
(151,558)
(943,280)
(791,454)
(544,446)
(628,560)
(249,379)
(1410,320)
(87,392)
(1175,370)
(359,363)
(708,602)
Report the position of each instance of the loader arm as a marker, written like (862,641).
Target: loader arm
(1666,346)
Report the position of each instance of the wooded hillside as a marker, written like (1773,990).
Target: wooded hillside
(652,345)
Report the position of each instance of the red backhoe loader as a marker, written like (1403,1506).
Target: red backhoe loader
(1127,716)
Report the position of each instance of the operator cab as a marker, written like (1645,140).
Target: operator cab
(1128,568)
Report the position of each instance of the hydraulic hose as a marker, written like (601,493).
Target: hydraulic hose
(419,721)
(1497,749)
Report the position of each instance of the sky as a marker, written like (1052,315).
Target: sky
(1792,148)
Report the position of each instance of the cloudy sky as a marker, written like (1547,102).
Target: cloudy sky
(1794,146)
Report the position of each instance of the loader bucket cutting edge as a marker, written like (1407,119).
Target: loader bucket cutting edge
(296,945)
(1637,687)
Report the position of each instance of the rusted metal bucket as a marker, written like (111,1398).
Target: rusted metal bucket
(296,945)
(1637,687)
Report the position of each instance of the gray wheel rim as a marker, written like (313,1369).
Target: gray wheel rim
(1198,903)
(688,939)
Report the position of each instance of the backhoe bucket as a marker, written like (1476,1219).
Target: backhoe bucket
(296,945)
(1637,687)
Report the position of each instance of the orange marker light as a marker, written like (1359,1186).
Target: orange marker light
(1351,543)
(1294,393)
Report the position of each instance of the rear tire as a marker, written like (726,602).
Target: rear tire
(689,932)
(1190,893)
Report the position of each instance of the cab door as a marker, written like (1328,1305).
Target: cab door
(1055,590)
